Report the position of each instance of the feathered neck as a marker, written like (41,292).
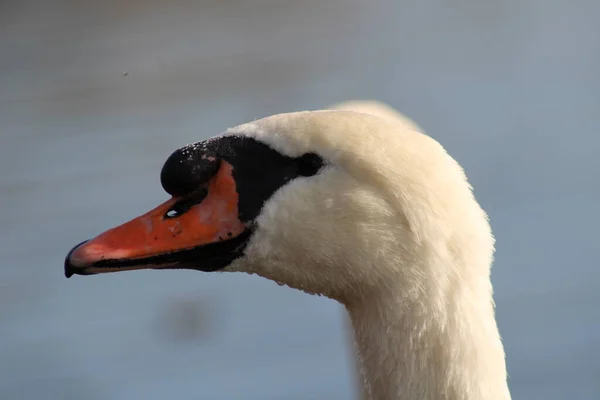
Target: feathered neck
(429,349)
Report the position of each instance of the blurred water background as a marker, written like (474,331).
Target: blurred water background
(95,95)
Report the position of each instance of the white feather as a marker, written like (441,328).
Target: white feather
(390,229)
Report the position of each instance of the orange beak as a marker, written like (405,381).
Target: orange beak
(201,231)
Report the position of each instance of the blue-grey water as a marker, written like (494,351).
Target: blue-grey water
(94,97)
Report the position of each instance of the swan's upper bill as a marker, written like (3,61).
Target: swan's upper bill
(356,206)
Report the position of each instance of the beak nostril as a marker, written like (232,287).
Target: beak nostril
(182,205)
(172,213)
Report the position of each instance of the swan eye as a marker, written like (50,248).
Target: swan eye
(183,205)
(309,164)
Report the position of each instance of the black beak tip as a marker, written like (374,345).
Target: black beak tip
(70,269)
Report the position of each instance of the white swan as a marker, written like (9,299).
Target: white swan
(378,109)
(356,206)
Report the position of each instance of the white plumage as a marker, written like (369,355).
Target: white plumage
(391,230)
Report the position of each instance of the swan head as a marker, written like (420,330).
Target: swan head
(336,203)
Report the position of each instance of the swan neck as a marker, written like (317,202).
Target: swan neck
(412,352)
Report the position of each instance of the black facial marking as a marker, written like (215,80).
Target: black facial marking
(309,164)
(188,168)
(258,169)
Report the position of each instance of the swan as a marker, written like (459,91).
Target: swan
(353,203)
